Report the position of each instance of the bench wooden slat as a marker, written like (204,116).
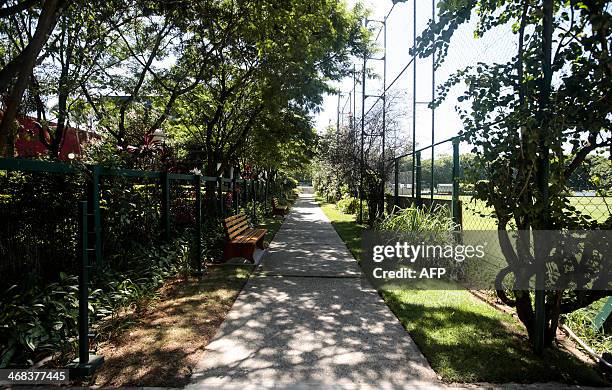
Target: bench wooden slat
(244,238)
(251,235)
(230,220)
(241,238)
(237,229)
(239,233)
(235,220)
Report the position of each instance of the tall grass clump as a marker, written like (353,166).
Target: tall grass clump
(581,323)
(418,220)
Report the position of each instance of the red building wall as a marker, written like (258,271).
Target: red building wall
(28,144)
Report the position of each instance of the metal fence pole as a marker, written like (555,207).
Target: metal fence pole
(83,281)
(418,179)
(396,178)
(254,198)
(361,156)
(234,198)
(221,200)
(266,197)
(455,196)
(93,202)
(198,221)
(85,364)
(245,192)
(165,206)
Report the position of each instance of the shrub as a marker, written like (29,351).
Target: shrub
(39,319)
(348,205)
(466,188)
(418,219)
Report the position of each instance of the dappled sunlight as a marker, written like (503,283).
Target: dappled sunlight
(305,318)
(166,343)
(308,245)
(467,340)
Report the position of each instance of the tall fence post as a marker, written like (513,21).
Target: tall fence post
(253,198)
(93,203)
(234,195)
(85,364)
(165,206)
(396,178)
(221,200)
(245,192)
(83,281)
(198,229)
(418,179)
(455,196)
(266,196)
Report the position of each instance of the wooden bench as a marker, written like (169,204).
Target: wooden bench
(242,240)
(278,210)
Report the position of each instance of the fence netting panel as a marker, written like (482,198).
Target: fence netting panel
(130,210)
(39,223)
(182,206)
(588,193)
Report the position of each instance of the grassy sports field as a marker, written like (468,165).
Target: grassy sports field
(477,216)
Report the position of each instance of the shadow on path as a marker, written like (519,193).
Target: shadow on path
(305,319)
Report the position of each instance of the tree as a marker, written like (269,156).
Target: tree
(16,71)
(167,49)
(273,70)
(533,121)
(338,163)
(84,34)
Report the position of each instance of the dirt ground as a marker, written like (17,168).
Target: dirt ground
(160,346)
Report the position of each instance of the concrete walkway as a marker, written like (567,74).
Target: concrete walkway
(304,320)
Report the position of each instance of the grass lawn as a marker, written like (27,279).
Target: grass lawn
(465,339)
(477,216)
(346,227)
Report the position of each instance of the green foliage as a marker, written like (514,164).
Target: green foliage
(273,71)
(348,205)
(532,125)
(27,246)
(419,220)
(39,319)
(581,323)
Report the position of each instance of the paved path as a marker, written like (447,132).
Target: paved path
(304,321)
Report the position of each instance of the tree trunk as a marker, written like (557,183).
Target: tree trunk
(524,310)
(25,63)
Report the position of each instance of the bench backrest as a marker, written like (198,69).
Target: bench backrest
(274,202)
(235,225)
